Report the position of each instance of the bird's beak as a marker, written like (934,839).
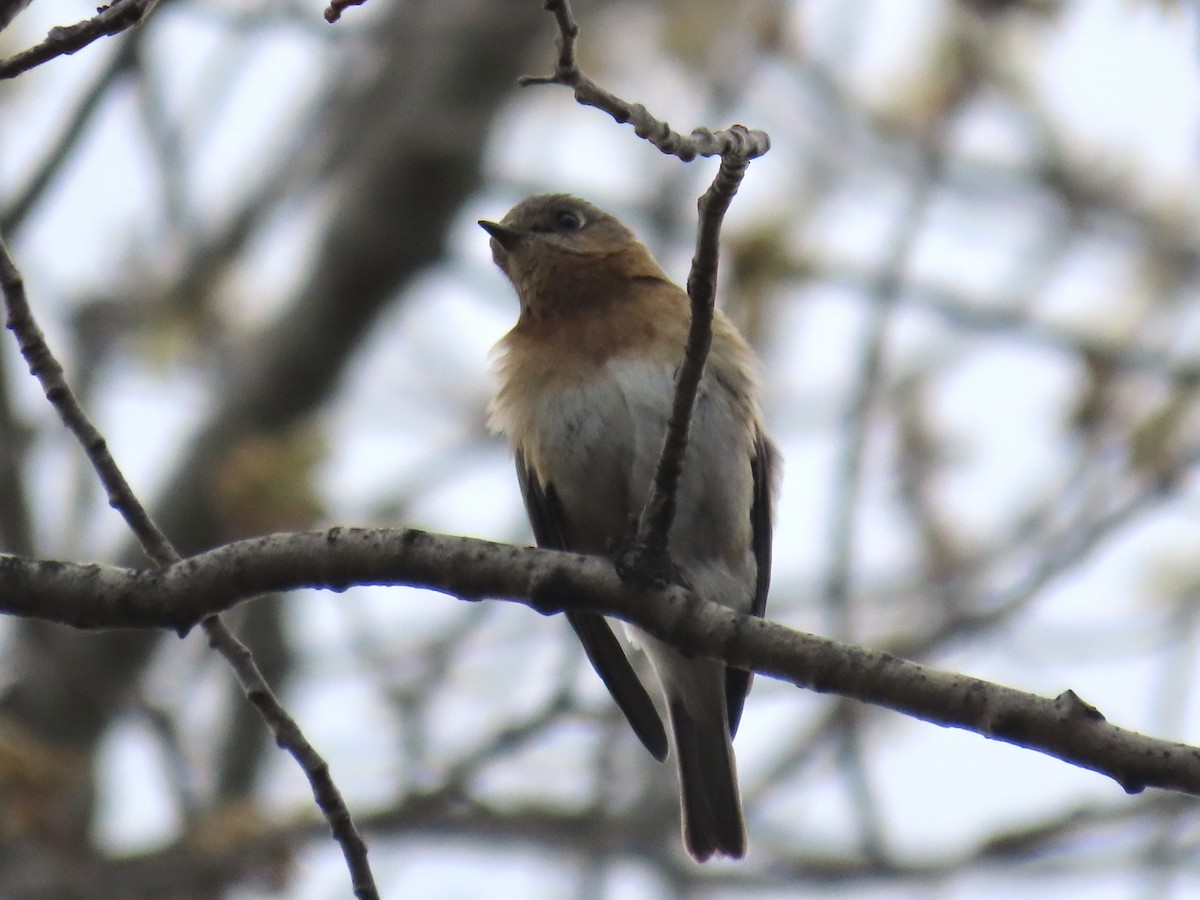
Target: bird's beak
(506,237)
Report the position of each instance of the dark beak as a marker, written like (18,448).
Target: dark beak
(506,237)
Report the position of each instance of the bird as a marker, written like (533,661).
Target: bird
(585,381)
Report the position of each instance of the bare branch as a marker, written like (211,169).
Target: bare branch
(154,542)
(650,549)
(67,39)
(99,596)
(333,11)
(702,142)
(46,369)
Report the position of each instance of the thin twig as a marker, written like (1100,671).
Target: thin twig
(702,142)
(333,11)
(49,373)
(46,369)
(650,548)
(64,40)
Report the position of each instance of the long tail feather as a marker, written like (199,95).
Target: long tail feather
(708,790)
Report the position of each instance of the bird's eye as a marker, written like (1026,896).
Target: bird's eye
(568,220)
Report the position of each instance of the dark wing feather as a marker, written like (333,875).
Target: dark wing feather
(763,467)
(603,650)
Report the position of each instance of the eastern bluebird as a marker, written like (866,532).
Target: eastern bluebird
(586,380)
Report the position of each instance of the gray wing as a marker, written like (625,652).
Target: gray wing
(764,467)
(603,650)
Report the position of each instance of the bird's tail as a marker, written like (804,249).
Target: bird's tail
(708,789)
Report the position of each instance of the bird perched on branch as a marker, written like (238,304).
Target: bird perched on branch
(586,386)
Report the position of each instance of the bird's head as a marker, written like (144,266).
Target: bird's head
(561,252)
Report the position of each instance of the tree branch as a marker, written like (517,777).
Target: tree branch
(659,512)
(100,596)
(702,142)
(334,10)
(64,40)
(49,373)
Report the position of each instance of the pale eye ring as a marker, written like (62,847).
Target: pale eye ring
(568,220)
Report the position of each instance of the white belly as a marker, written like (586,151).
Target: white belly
(598,444)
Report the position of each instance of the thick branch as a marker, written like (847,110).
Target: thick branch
(100,596)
